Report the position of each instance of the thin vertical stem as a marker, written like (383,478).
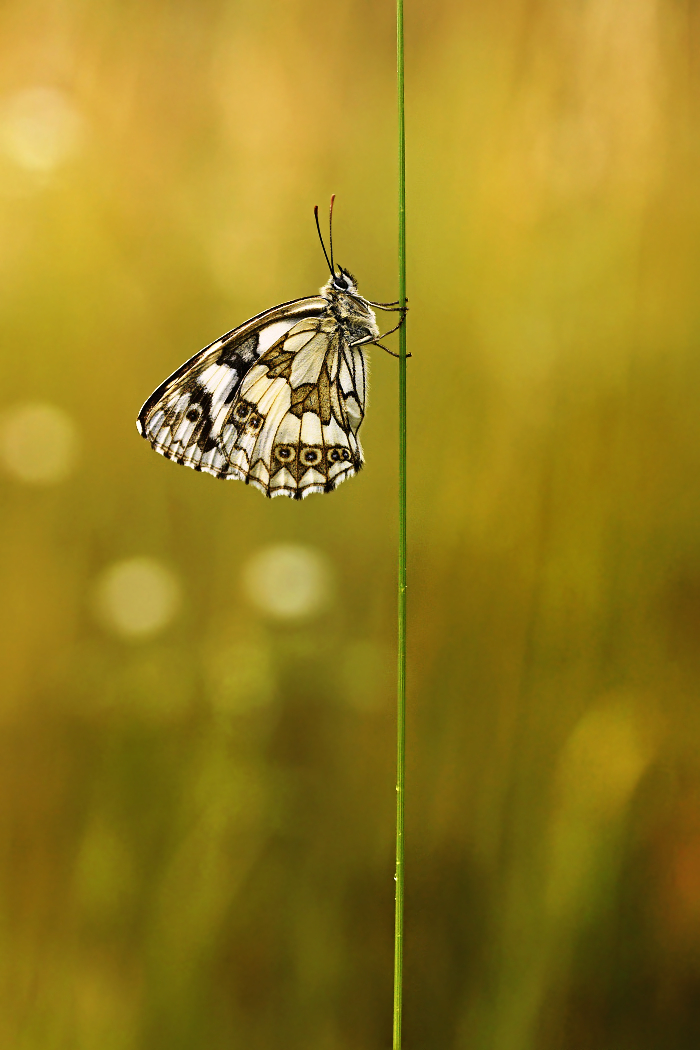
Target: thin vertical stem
(401,669)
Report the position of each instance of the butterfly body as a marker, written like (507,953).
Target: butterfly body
(277,402)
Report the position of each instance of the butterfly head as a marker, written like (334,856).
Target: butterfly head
(342,281)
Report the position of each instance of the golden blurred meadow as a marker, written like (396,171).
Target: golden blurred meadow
(197,721)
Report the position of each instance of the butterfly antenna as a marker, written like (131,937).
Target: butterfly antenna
(320,237)
(330,232)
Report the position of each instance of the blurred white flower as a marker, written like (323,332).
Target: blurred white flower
(137,597)
(38,443)
(40,128)
(287,581)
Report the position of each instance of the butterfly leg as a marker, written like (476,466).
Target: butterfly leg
(403,310)
(368,339)
(391,352)
(394,329)
(389,307)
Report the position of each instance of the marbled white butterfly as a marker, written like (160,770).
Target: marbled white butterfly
(278,401)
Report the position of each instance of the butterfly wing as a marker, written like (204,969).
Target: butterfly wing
(292,428)
(185,417)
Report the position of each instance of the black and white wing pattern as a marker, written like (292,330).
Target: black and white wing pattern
(276,403)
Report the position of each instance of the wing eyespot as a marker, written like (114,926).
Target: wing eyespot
(255,421)
(311,456)
(285,453)
(242,411)
(194,413)
(339,454)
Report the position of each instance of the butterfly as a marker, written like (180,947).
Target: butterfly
(278,401)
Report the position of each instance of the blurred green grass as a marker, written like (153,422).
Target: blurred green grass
(198,826)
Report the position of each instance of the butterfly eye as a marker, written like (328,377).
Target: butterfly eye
(312,455)
(285,453)
(193,413)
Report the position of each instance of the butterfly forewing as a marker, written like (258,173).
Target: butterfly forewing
(183,418)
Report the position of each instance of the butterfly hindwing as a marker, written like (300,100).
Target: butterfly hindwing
(296,415)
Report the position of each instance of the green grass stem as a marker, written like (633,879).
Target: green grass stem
(401,668)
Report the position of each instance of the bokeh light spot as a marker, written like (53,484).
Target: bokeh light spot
(137,598)
(603,760)
(40,128)
(38,443)
(288,581)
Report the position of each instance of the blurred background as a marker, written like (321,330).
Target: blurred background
(197,714)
